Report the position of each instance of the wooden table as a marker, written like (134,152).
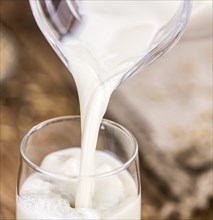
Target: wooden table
(31,95)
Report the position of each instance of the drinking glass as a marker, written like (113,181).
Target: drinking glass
(49,193)
(59,18)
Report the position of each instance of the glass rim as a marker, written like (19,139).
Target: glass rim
(45,123)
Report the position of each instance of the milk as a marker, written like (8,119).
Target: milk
(110,37)
(42,198)
(99,57)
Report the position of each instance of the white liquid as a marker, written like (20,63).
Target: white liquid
(44,199)
(111,39)
(99,57)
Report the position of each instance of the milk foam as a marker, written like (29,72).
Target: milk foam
(50,198)
(50,207)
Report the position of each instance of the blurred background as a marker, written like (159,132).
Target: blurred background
(168,107)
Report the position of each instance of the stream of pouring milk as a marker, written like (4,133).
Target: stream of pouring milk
(107,45)
(111,38)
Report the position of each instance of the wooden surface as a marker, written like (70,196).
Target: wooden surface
(41,88)
(40,82)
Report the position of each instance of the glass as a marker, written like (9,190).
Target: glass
(60,18)
(45,193)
